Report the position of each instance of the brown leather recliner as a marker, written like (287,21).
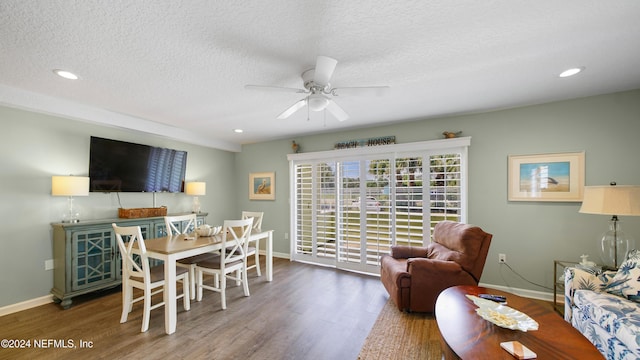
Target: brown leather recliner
(414,276)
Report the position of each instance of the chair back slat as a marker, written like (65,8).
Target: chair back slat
(127,237)
(257,218)
(186,222)
(235,235)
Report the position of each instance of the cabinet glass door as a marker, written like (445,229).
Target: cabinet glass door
(93,258)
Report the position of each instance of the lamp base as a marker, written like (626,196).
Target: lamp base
(615,245)
(72,213)
(196,205)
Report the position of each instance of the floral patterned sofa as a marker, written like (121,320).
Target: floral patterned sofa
(605,308)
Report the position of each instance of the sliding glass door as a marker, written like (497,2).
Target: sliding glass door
(349,211)
(364,215)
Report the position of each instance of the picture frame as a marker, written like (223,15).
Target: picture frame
(546,177)
(262,186)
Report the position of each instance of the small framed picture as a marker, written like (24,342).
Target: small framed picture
(262,186)
(546,177)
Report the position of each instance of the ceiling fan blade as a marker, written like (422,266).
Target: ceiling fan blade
(324,70)
(361,90)
(293,108)
(337,111)
(274,88)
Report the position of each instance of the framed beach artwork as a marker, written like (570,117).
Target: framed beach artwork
(546,177)
(262,186)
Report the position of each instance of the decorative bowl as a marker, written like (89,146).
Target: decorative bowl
(207,230)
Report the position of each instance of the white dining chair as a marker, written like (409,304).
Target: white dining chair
(253,250)
(185,224)
(235,234)
(136,273)
(180,224)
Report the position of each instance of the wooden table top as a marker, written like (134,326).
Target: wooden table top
(177,243)
(466,335)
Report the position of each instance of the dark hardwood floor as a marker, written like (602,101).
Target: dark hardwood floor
(307,312)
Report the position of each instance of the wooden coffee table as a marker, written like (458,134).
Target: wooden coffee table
(465,335)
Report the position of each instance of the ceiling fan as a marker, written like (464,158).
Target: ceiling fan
(321,93)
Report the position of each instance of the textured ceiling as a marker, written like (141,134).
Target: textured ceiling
(178,68)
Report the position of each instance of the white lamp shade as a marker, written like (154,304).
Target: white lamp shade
(611,200)
(195,188)
(70,186)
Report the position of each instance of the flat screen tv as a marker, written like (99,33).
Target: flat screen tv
(118,166)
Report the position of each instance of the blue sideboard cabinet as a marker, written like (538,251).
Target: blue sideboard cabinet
(86,255)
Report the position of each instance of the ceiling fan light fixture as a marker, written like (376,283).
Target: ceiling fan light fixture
(317,102)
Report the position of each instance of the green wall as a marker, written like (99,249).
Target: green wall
(34,147)
(532,234)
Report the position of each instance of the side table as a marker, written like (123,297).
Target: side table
(558,282)
(558,279)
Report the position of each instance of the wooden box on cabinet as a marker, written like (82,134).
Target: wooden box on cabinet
(86,255)
(141,212)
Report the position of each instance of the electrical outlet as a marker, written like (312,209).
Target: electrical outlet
(502,258)
(286,236)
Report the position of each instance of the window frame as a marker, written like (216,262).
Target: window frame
(422,149)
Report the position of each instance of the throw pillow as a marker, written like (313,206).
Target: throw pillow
(626,282)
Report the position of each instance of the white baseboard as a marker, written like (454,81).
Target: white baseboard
(28,304)
(526,293)
(276,255)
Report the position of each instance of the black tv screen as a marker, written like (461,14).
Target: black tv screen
(118,166)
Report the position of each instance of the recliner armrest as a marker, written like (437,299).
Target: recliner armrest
(430,268)
(406,252)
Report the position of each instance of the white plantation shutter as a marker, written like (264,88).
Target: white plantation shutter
(350,206)
(378,214)
(409,204)
(445,184)
(325,209)
(348,224)
(303,212)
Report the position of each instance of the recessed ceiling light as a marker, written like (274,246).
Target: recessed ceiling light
(571,72)
(238,131)
(66,74)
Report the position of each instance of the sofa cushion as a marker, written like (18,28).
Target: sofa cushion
(438,252)
(626,282)
(616,315)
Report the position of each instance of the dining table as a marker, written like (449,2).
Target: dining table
(171,248)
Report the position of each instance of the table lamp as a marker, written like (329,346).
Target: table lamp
(70,186)
(613,200)
(195,189)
